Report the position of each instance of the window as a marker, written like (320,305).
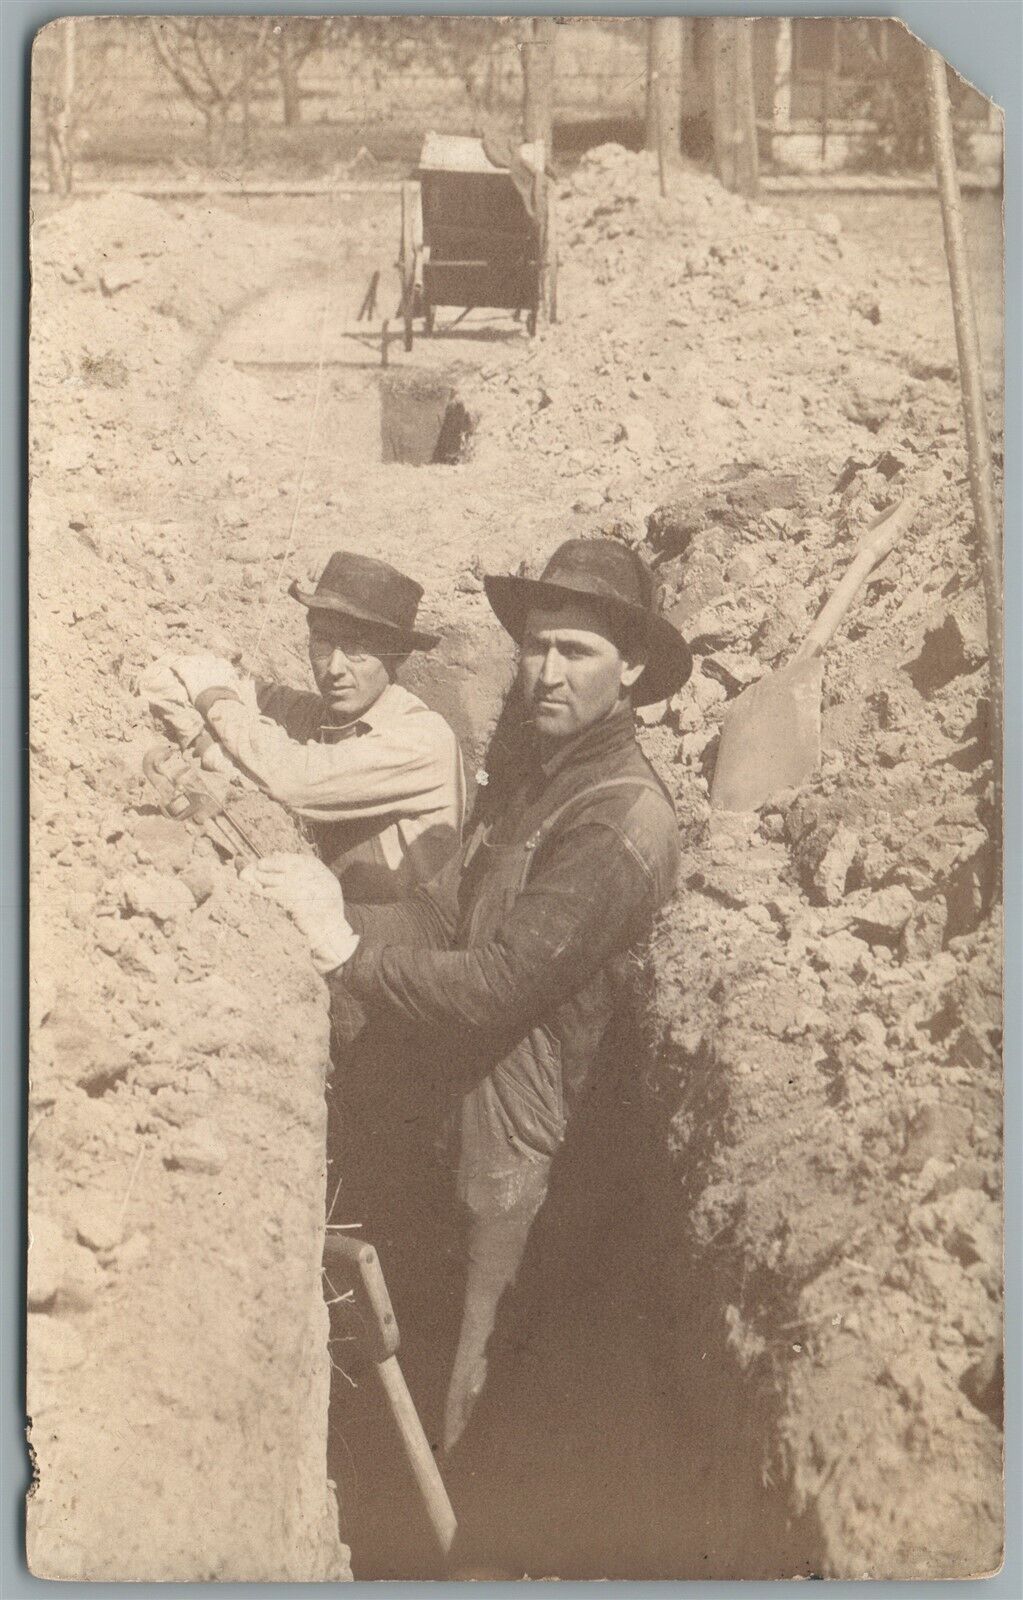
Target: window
(839,47)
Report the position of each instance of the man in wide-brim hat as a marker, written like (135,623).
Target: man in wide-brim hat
(506,955)
(374,772)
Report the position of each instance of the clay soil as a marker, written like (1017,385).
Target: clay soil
(736,389)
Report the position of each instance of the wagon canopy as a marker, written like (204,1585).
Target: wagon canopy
(496,154)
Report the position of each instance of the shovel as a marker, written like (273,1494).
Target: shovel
(771,736)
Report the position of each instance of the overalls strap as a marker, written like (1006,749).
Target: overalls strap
(549,824)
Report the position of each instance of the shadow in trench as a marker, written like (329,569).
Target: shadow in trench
(384,1119)
(610,1441)
(422,421)
(614,1437)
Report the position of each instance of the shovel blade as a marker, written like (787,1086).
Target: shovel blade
(770,738)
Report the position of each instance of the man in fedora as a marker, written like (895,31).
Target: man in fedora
(375,774)
(506,955)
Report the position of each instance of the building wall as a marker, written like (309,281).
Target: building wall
(822,83)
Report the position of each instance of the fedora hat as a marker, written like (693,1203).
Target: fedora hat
(619,580)
(368,591)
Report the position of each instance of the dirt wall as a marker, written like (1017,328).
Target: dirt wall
(176,1333)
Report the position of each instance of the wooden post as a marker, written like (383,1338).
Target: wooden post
(826,82)
(287,72)
(746,154)
(971,382)
(782,105)
(650,140)
(664,91)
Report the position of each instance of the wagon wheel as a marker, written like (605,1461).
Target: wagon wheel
(407,259)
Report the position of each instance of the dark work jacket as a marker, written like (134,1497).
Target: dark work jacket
(506,957)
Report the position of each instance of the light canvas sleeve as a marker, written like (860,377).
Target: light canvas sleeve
(401,765)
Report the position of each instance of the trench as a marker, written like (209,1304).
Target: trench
(399,418)
(616,1437)
(612,1391)
(612,1387)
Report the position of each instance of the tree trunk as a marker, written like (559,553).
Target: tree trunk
(60,170)
(291,98)
(538,84)
(664,89)
(216,133)
(735,127)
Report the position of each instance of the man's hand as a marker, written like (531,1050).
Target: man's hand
(201,672)
(169,705)
(312,896)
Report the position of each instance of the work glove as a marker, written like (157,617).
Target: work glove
(203,671)
(174,715)
(312,897)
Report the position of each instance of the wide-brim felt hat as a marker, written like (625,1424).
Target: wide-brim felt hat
(619,580)
(369,591)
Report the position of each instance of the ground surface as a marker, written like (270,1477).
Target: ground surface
(738,389)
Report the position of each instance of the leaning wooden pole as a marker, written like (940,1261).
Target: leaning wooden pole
(971,382)
(538,84)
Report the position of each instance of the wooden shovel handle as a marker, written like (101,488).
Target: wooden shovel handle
(884,534)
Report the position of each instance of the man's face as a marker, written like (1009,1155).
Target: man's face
(349,664)
(571,672)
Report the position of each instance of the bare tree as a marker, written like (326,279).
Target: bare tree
(292,41)
(459,47)
(216,62)
(55,68)
(70,77)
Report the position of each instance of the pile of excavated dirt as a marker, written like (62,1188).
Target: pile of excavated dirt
(824,1016)
(824,996)
(735,390)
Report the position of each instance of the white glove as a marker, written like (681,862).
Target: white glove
(312,897)
(200,672)
(171,709)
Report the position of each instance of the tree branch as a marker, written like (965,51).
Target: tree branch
(174,66)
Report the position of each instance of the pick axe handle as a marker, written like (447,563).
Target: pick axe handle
(378,1335)
(882,538)
(418,1452)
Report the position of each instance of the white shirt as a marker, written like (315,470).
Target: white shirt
(399,761)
